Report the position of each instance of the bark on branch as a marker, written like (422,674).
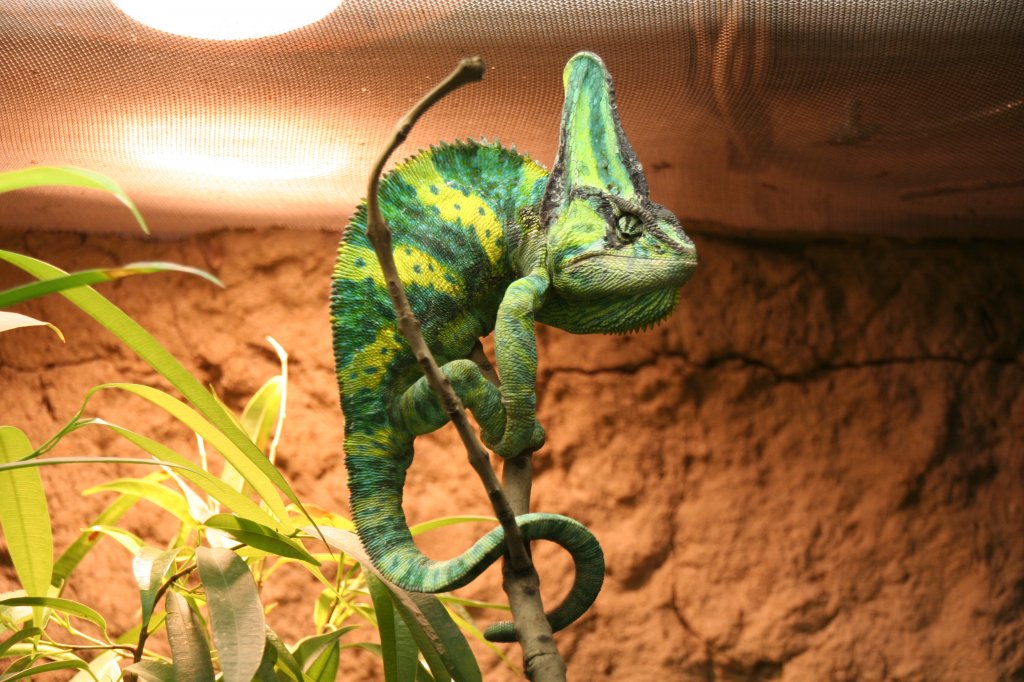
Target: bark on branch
(540,656)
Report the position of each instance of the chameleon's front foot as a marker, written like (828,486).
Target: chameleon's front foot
(513,443)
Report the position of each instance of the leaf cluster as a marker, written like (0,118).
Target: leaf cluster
(237,519)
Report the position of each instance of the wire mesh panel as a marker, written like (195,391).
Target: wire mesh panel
(770,116)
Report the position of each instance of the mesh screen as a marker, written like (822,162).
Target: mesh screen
(815,116)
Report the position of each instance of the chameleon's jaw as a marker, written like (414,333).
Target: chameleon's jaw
(593,273)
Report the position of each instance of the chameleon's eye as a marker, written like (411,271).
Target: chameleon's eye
(628,228)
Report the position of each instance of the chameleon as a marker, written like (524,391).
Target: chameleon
(486,240)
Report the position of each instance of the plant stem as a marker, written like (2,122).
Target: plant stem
(521,582)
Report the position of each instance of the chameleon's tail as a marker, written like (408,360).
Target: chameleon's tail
(375,485)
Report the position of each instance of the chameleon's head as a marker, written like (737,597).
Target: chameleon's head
(608,244)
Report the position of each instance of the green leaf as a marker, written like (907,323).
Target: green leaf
(188,644)
(206,481)
(167,499)
(150,350)
(82,278)
(259,474)
(262,419)
(308,649)
(67,606)
(236,614)
(286,662)
(429,623)
(265,671)
(45,668)
(395,649)
(130,541)
(19,636)
(324,666)
(155,671)
(9,321)
(68,176)
(421,528)
(25,518)
(104,668)
(259,536)
(264,412)
(74,554)
(149,567)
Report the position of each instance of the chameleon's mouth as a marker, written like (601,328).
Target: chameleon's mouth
(625,273)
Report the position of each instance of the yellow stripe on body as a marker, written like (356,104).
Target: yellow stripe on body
(368,367)
(414,267)
(532,172)
(455,206)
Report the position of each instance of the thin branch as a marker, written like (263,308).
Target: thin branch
(521,583)
(541,659)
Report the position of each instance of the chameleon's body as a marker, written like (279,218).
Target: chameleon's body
(485,240)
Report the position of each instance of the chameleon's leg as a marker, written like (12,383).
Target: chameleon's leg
(515,349)
(421,412)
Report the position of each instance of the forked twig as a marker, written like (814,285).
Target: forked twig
(541,658)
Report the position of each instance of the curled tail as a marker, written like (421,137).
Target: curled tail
(375,484)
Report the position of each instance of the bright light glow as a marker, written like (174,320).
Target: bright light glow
(237,150)
(226,19)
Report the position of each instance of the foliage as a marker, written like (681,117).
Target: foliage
(234,529)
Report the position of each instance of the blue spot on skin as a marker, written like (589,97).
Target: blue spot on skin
(487,233)
(417,269)
(430,266)
(384,351)
(370,370)
(449,278)
(457,207)
(408,251)
(359,262)
(434,189)
(481,211)
(352,375)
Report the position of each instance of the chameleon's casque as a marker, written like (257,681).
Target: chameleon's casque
(485,240)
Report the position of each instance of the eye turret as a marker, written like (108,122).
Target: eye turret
(628,227)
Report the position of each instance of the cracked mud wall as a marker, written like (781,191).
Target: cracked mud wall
(812,471)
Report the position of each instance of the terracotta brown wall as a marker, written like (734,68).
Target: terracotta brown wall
(812,471)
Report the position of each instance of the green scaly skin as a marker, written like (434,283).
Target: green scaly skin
(485,240)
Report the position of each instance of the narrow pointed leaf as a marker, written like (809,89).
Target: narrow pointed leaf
(9,321)
(188,644)
(259,473)
(130,541)
(67,606)
(45,668)
(265,671)
(25,517)
(386,624)
(68,176)
(155,671)
(149,349)
(167,499)
(308,648)
(421,528)
(236,614)
(19,636)
(286,661)
(83,278)
(103,668)
(87,540)
(204,480)
(149,567)
(427,620)
(324,667)
(259,536)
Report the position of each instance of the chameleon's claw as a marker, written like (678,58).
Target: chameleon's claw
(513,447)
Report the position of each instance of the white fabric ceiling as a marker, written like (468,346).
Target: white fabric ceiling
(765,116)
